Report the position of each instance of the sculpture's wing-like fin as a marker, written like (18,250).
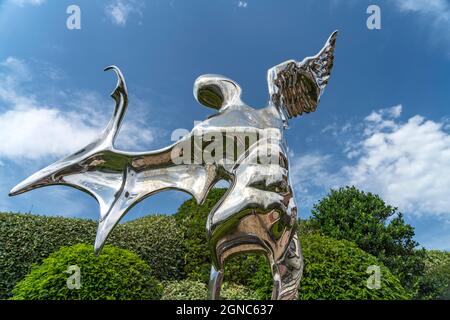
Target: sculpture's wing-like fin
(138,185)
(117,179)
(120,96)
(94,155)
(296,87)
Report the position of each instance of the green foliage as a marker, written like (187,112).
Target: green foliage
(241,269)
(308,227)
(115,274)
(196,290)
(157,240)
(362,218)
(334,270)
(28,239)
(176,248)
(436,258)
(231,291)
(336,263)
(435,284)
(192,219)
(184,290)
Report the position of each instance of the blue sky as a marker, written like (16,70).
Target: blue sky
(382,125)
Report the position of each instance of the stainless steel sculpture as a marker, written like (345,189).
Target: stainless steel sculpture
(258,212)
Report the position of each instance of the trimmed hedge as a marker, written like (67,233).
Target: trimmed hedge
(28,239)
(114,274)
(196,290)
(158,240)
(334,270)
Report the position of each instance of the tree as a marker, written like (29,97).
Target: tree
(377,228)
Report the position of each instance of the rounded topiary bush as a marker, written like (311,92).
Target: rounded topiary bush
(334,270)
(114,274)
(338,269)
(196,290)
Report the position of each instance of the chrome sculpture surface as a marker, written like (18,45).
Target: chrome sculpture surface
(258,213)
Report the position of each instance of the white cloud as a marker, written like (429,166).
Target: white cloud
(17,70)
(36,132)
(406,163)
(28,2)
(242,4)
(435,13)
(119,11)
(33,130)
(439,8)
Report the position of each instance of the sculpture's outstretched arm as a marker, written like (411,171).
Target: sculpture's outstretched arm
(296,87)
(118,180)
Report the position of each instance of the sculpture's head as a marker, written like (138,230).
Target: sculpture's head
(217,92)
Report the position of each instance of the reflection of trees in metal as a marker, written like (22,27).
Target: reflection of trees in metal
(257,214)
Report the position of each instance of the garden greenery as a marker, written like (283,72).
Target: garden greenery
(347,234)
(196,290)
(27,239)
(116,274)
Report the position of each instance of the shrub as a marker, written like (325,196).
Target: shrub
(435,284)
(196,290)
(436,258)
(157,240)
(192,219)
(184,290)
(28,239)
(114,274)
(232,291)
(334,270)
(377,228)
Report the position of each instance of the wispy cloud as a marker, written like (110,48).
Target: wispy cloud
(119,11)
(242,4)
(27,2)
(407,163)
(438,8)
(31,129)
(434,13)
(311,175)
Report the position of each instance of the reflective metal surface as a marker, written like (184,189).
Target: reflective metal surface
(258,213)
